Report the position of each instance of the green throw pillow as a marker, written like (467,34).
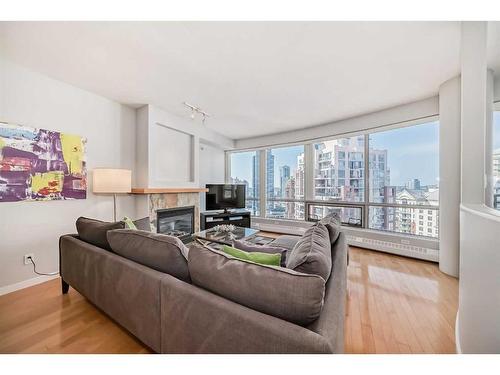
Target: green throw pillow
(129,223)
(256,257)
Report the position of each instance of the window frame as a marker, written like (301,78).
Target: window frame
(309,178)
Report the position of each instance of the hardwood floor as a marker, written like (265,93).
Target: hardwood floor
(395,305)
(399,305)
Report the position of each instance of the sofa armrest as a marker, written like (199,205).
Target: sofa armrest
(197,321)
(127,291)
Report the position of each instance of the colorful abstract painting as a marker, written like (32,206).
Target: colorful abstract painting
(38,164)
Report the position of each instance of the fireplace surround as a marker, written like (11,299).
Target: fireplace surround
(177,221)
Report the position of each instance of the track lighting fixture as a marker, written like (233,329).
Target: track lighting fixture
(196,110)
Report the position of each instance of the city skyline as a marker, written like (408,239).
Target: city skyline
(414,153)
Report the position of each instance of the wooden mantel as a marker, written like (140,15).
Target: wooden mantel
(167,190)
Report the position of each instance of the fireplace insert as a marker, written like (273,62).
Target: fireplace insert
(177,222)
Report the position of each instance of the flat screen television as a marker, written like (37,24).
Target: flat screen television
(224,196)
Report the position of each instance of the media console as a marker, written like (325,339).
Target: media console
(210,219)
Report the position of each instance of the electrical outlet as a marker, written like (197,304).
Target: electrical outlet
(26,258)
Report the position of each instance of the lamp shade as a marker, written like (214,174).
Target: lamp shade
(114,181)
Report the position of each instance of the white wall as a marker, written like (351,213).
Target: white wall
(32,99)
(212,165)
(479,300)
(173,142)
(387,117)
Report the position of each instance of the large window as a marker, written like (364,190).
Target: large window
(245,170)
(285,182)
(386,180)
(404,172)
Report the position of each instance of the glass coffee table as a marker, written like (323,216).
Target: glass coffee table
(224,238)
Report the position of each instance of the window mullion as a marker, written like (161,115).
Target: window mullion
(262,182)
(308,172)
(366,212)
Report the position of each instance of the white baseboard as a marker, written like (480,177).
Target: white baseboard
(25,284)
(458,347)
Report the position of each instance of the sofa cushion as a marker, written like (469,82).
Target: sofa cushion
(94,231)
(143,224)
(280,292)
(254,256)
(158,251)
(312,254)
(251,247)
(332,223)
(286,241)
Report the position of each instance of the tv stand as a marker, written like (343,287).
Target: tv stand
(210,219)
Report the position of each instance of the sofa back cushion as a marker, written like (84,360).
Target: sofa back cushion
(158,251)
(332,223)
(312,253)
(280,292)
(94,231)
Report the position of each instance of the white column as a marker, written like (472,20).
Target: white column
(474,92)
(449,176)
(478,323)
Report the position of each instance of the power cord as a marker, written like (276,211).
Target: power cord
(40,273)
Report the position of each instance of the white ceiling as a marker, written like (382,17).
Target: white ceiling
(254,78)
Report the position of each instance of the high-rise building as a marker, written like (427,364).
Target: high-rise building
(298,188)
(269,173)
(496,163)
(413,184)
(289,193)
(270,177)
(339,175)
(284,177)
(496,178)
(418,221)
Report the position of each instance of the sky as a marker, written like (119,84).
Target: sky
(413,152)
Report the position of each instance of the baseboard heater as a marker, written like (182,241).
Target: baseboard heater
(409,246)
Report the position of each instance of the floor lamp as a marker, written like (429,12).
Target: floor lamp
(112,181)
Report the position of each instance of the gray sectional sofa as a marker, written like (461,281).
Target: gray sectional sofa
(209,302)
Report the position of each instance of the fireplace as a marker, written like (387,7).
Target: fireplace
(177,222)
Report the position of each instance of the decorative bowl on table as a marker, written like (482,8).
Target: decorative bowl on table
(224,228)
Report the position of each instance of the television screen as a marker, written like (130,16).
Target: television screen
(225,196)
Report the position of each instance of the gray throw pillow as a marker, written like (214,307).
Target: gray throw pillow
(94,231)
(143,224)
(251,247)
(332,223)
(312,254)
(280,292)
(286,241)
(158,251)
